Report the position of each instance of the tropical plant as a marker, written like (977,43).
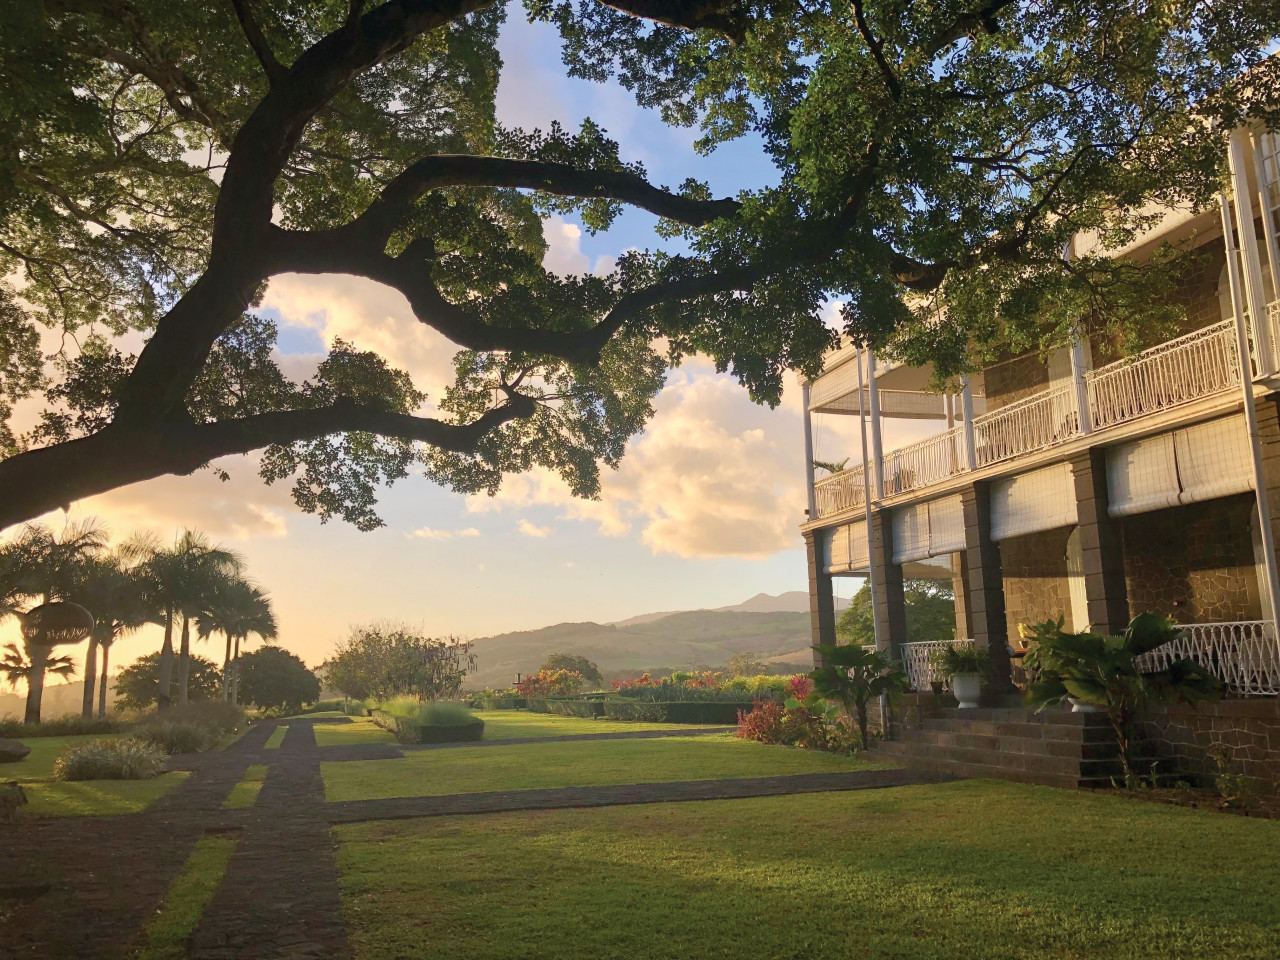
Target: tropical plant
(832,466)
(138,685)
(953,658)
(853,677)
(236,609)
(19,667)
(118,599)
(386,659)
(180,577)
(274,679)
(120,758)
(1104,671)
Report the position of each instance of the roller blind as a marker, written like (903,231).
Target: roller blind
(910,533)
(859,552)
(946,526)
(1142,476)
(844,548)
(1213,460)
(1030,502)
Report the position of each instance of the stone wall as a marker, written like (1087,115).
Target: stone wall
(1010,379)
(1036,588)
(1247,731)
(1193,562)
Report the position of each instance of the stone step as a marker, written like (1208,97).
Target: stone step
(1067,732)
(997,772)
(1006,742)
(1051,715)
(1018,766)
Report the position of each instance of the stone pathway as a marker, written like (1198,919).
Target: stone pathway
(84,887)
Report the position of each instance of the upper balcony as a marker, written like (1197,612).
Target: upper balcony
(1194,368)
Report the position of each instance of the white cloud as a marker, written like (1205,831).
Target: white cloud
(532,529)
(427,533)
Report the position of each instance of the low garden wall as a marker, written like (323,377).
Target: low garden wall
(1245,733)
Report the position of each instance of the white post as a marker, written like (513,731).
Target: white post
(866,502)
(966,411)
(877,439)
(1255,297)
(1084,419)
(808,452)
(1263,143)
(1251,418)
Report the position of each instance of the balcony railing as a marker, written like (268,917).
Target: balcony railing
(917,660)
(1244,655)
(1198,365)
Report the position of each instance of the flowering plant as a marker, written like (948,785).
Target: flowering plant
(551,683)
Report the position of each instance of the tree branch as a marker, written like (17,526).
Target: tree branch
(982,20)
(730,20)
(272,67)
(877,51)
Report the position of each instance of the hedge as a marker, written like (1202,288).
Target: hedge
(408,730)
(355,708)
(566,708)
(674,711)
(501,703)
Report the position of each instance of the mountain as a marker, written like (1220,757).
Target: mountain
(774,629)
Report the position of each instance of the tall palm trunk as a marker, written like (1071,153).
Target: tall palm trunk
(166,662)
(102,681)
(184,661)
(235,673)
(90,679)
(226,670)
(39,657)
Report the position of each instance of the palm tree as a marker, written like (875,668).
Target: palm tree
(45,566)
(116,595)
(180,578)
(236,608)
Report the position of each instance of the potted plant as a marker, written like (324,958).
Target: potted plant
(964,667)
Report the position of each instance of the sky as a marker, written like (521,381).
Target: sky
(704,511)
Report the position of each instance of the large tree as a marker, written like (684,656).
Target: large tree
(162,161)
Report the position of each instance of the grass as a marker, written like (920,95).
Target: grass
(245,793)
(359,730)
(569,764)
(276,738)
(974,870)
(167,934)
(521,725)
(56,798)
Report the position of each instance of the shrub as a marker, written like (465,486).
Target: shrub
(217,714)
(551,683)
(444,713)
(672,711)
(177,736)
(576,708)
(763,722)
(126,758)
(14,729)
(796,725)
(763,686)
(322,706)
(355,708)
(431,723)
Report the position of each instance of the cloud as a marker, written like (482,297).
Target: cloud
(427,533)
(564,254)
(532,529)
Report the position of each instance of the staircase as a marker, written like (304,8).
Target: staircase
(1057,747)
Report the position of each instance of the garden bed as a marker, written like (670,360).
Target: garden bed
(412,730)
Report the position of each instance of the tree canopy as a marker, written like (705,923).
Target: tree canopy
(275,679)
(931,613)
(162,161)
(382,660)
(137,686)
(574,663)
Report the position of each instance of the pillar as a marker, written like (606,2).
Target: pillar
(1101,546)
(986,585)
(822,607)
(887,588)
(877,438)
(1255,296)
(1268,410)
(960,587)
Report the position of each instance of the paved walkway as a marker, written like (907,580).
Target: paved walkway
(84,887)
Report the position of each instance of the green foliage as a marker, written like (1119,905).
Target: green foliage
(953,659)
(930,606)
(573,663)
(744,665)
(674,711)
(275,679)
(852,677)
(177,736)
(138,685)
(382,660)
(444,714)
(122,758)
(1102,670)
(14,729)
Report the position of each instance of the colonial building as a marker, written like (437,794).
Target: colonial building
(1092,486)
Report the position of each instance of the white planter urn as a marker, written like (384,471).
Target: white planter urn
(1080,706)
(967,687)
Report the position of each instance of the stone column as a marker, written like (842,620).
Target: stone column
(822,608)
(960,587)
(891,609)
(1268,409)
(986,585)
(1101,547)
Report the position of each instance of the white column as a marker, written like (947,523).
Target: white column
(877,439)
(966,411)
(866,503)
(1264,143)
(1254,294)
(808,452)
(1251,417)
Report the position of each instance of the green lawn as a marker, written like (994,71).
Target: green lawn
(57,798)
(521,725)
(168,934)
(360,730)
(245,793)
(570,764)
(276,738)
(974,870)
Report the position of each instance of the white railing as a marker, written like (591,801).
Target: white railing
(924,463)
(1245,655)
(917,660)
(1189,368)
(840,491)
(1041,420)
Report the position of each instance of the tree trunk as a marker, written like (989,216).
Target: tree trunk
(39,656)
(166,663)
(226,670)
(184,661)
(90,679)
(102,682)
(235,674)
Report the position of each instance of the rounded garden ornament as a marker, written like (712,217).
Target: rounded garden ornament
(58,622)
